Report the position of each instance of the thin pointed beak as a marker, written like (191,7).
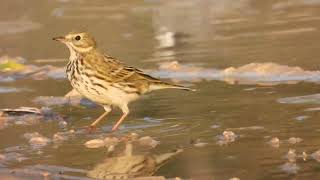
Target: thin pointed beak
(60,38)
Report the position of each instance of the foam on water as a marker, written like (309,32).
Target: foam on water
(253,73)
(308,99)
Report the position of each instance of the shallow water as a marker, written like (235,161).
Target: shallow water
(215,43)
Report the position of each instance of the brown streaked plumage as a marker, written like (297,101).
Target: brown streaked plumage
(105,80)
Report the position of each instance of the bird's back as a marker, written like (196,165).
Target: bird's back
(122,76)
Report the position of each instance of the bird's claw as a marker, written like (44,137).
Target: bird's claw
(91,128)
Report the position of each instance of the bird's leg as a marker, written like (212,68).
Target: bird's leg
(107,109)
(115,127)
(125,111)
(99,119)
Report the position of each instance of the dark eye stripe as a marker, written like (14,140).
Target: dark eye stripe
(77,38)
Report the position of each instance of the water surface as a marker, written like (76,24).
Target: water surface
(208,36)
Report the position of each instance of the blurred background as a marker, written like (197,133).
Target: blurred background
(254,62)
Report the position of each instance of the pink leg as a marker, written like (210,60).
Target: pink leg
(107,109)
(115,127)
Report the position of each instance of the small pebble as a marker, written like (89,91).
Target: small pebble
(95,143)
(294,140)
(72,131)
(234,178)
(229,135)
(200,144)
(111,148)
(39,141)
(28,136)
(62,124)
(274,142)
(60,137)
(215,126)
(304,156)
(291,156)
(226,137)
(301,118)
(2,157)
(134,136)
(148,141)
(36,139)
(111,141)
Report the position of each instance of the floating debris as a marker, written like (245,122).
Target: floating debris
(313,109)
(11,90)
(226,137)
(129,165)
(108,142)
(246,128)
(56,101)
(301,118)
(308,99)
(111,141)
(274,142)
(21,110)
(62,136)
(14,149)
(200,144)
(26,116)
(95,143)
(290,168)
(295,140)
(12,157)
(72,98)
(28,136)
(39,141)
(148,141)
(15,68)
(250,89)
(39,172)
(36,139)
(166,38)
(316,155)
(254,73)
(11,63)
(59,137)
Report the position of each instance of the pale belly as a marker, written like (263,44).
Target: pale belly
(104,96)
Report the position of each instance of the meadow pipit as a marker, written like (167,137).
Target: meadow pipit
(105,80)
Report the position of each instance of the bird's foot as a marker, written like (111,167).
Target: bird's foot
(91,129)
(114,129)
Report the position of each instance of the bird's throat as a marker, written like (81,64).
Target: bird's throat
(73,53)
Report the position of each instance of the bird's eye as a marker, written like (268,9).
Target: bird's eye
(77,38)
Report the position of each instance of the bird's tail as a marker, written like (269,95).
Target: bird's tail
(165,85)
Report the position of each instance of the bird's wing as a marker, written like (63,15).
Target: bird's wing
(119,73)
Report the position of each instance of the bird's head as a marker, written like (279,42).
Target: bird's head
(79,42)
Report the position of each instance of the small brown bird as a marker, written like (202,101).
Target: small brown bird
(105,80)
